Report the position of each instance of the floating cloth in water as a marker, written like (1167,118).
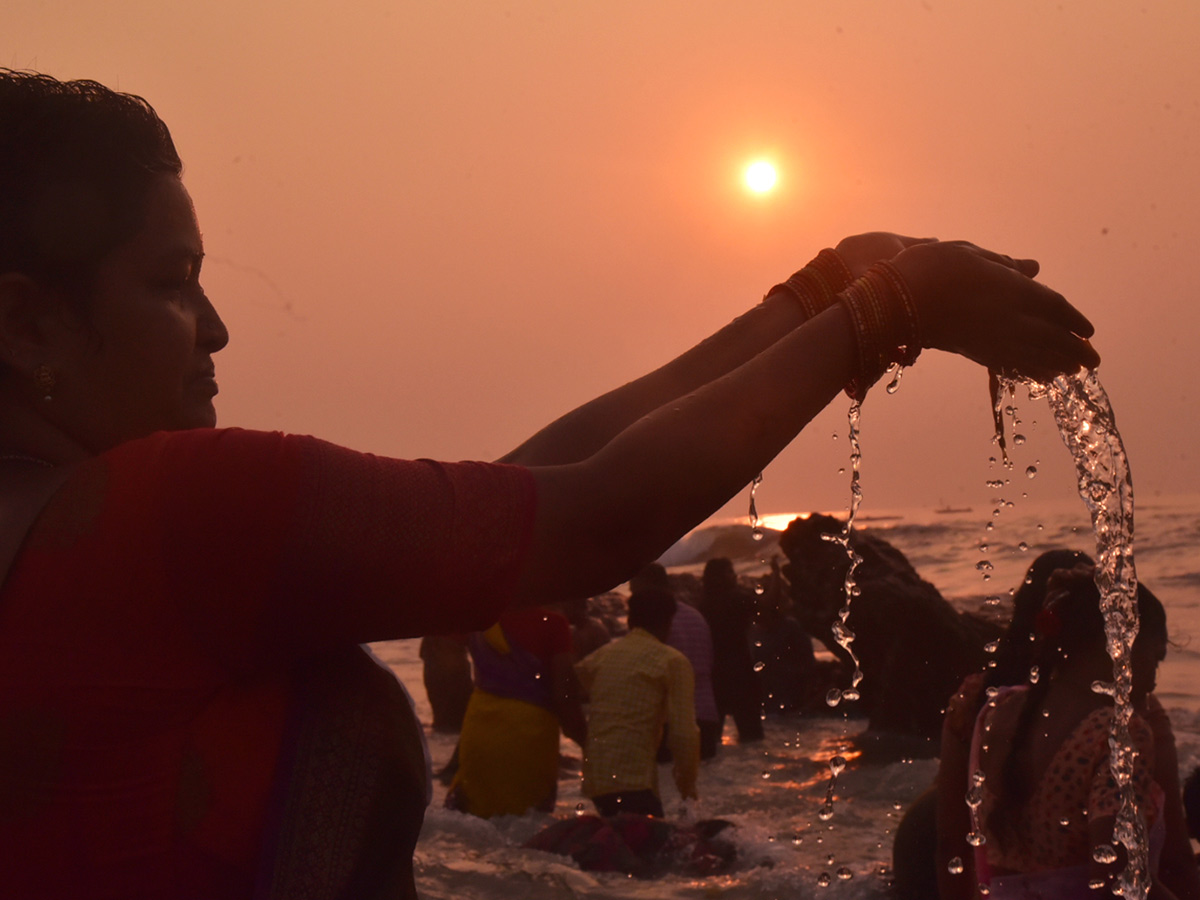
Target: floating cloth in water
(642,846)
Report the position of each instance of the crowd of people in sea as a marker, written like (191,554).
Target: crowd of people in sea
(187,709)
(1024,792)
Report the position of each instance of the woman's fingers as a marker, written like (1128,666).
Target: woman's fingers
(985,306)
(1039,351)
(1056,309)
(861,251)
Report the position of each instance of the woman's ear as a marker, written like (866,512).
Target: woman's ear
(31,324)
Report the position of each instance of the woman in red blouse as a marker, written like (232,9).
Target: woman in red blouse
(184,707)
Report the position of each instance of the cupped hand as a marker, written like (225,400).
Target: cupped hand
(987,307)
(861,251)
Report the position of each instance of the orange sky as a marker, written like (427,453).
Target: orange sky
(432,227)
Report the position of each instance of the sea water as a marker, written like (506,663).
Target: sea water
(786,850)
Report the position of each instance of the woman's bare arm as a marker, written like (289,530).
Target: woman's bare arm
(583,431)
(601,518)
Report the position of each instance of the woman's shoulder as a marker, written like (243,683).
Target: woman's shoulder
(199,442)
(1090,736)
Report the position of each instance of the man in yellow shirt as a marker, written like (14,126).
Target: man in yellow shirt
(636,685)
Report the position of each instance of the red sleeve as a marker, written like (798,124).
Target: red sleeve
(540,631)
(291,543)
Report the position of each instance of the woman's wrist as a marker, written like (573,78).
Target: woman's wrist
(815,287)
(886,326)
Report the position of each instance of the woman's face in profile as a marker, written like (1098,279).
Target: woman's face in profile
(143,360)
(1148,652)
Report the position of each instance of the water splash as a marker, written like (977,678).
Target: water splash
(1088,427)
(842,633)
(756,530)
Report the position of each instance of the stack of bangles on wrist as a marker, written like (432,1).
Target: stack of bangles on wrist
(886,328)
(816,286)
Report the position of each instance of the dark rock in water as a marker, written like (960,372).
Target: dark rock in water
(611,609)
(914,647)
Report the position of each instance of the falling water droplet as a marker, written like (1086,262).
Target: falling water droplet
(955,866)
(1022,546)
(1031,472)
(823,880)
(765,774)
(991,646)
(825,813)
(758,666)
(844,874)
(1104,854)
(983,566)
(837,765)
(834,697)
(976,839)
(1034,674)
(850,694)
(1018,439)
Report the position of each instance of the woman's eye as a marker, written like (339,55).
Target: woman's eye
(175,282)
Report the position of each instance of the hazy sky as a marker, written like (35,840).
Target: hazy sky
(432,227)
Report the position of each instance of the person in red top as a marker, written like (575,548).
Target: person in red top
(185,710)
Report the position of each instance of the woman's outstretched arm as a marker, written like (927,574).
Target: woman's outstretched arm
(599,519)
(585,430)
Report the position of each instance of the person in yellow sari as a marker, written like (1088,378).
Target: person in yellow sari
(525,689)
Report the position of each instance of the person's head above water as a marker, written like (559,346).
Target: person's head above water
(719,578)
(106,333)
(1014,654)
(652,609)
(1070,631)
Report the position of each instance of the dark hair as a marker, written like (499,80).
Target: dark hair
(650,575)
(1014,654)
(719,572)
(77,161)
(1074,622)
(652,609)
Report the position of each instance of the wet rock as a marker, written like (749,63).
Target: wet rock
(913,646)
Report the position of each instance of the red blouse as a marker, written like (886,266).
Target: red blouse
(150,623)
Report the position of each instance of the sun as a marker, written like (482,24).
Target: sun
(761,176)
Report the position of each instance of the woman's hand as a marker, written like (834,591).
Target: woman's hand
(987,307)
(861,251)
